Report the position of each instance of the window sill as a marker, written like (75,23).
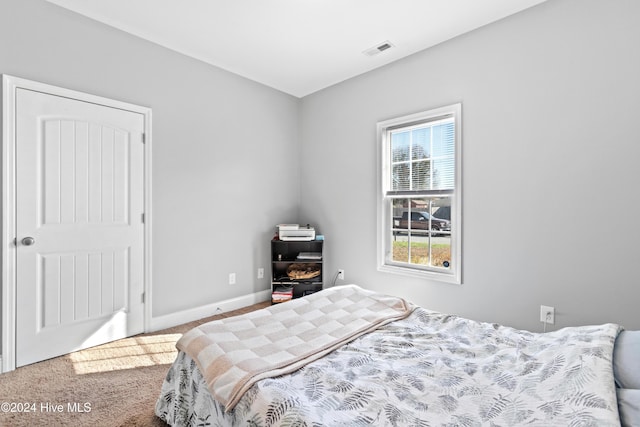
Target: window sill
(421,274)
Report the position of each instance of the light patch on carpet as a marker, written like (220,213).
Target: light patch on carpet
(128,353)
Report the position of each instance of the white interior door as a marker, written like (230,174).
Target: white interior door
(79,225)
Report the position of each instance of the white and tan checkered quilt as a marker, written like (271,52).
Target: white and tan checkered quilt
(236,352)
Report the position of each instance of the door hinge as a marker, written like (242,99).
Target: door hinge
(142,298)
(142,217)
(144,138)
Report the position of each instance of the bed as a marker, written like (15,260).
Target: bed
(346,356)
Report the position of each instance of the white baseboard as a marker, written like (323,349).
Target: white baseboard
(180,317)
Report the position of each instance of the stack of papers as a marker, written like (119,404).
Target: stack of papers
(310,255)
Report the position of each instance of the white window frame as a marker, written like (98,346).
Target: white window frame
(385,218)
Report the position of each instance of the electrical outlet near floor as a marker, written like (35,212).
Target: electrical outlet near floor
(341,274)
(260,273)
(232,278)
(547,314)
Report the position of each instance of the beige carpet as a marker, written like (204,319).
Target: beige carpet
(115,384)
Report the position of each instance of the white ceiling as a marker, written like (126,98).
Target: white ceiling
(296,46)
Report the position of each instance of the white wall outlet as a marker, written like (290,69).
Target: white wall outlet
(260,273)
(341,274)
(232,278)
(547,314)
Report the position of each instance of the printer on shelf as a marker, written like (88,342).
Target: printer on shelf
(295,232)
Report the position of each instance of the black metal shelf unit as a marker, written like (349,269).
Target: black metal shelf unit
(305,254)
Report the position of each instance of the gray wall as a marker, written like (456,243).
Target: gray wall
(217,142)
(551,144)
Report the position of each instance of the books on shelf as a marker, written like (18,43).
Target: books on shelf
(316,256)
(281,294)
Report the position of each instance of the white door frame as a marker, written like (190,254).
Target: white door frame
(8,249)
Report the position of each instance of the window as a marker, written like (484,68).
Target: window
(419,230)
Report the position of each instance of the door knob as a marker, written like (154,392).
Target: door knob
(28,241)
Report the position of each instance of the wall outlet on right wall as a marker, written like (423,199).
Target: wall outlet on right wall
(547,314)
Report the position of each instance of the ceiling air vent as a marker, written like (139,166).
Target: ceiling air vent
(378,49)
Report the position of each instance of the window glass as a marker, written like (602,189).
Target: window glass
(425,239)
(421,144)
